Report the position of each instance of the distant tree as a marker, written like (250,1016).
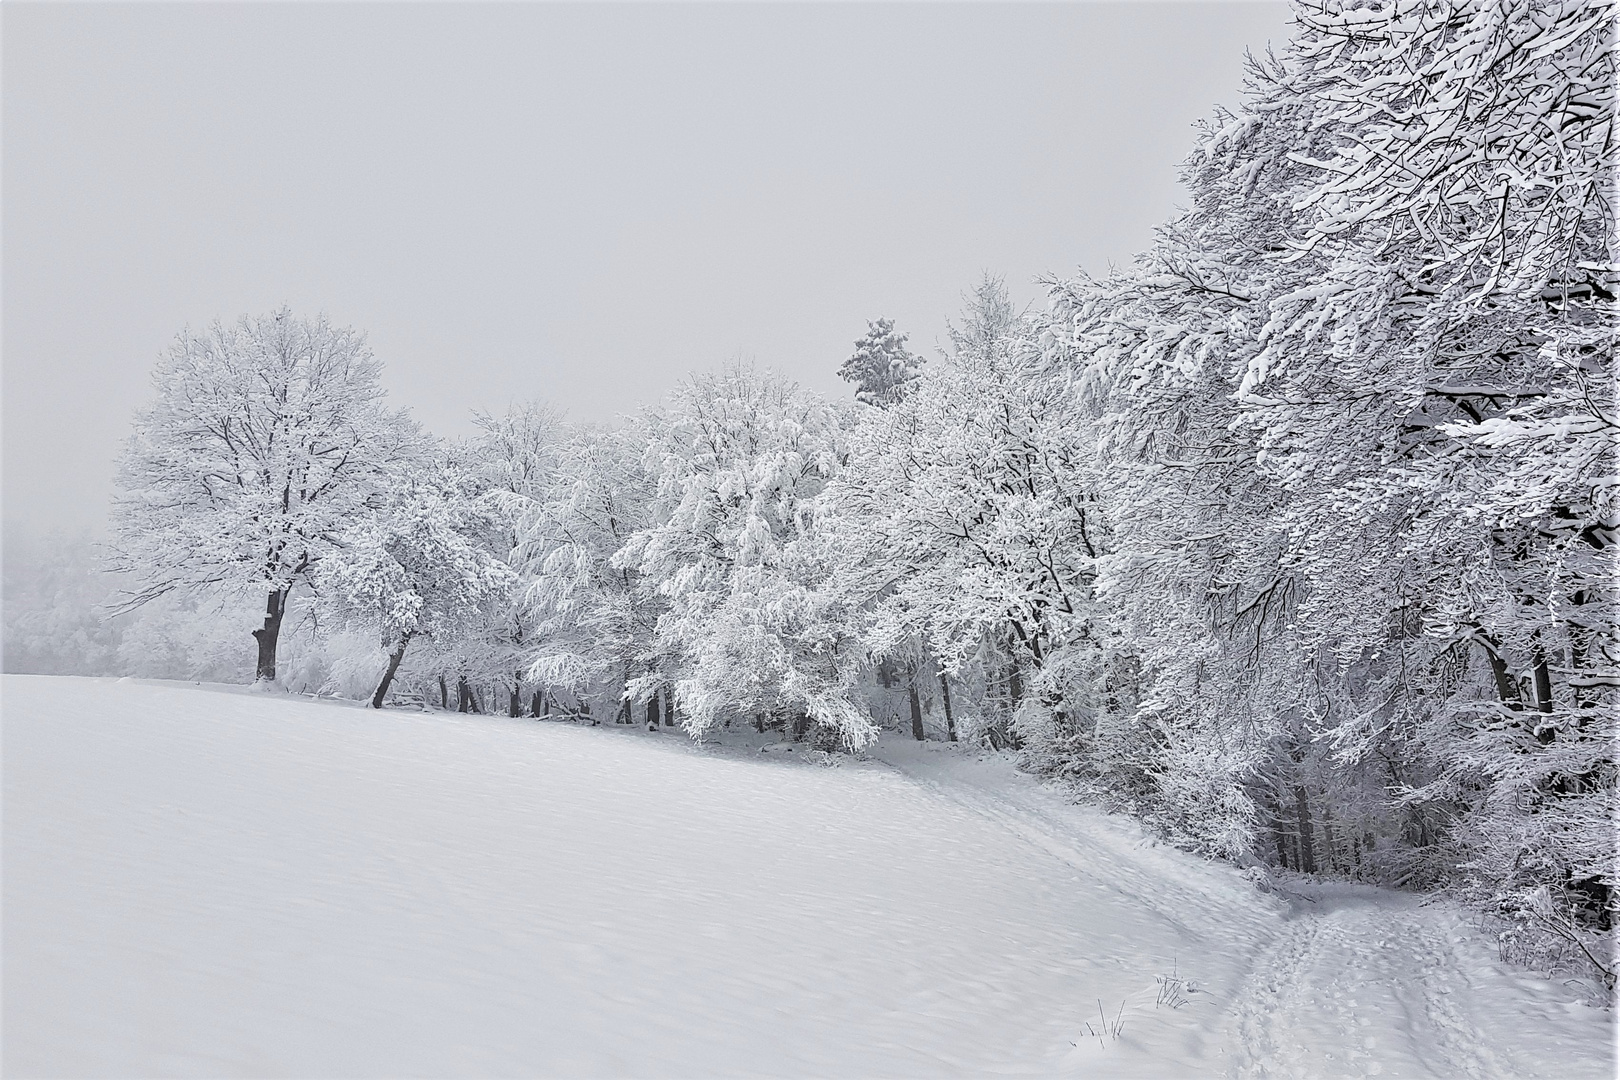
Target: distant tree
(590,623)
(267,437)
(420,565)
(53,623)
(881,366)
(515,460)
(979,510)
(734,546)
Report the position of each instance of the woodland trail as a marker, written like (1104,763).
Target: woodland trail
(1347,990)
(1338,980)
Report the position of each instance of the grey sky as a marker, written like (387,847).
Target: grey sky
(579,204)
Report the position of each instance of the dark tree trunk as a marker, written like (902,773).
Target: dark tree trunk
(464,698)
(1541,678)
(514,707)
(759,722)
(274,608)
(1330,862)
(535,704)
(1307,851)
(1580,649)
(444,694)
(945,699)
(1279,832)
(394,658)
(1505,690)
(652,712)
(916,712)
(666,706)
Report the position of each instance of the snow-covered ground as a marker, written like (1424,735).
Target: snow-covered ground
(200,882)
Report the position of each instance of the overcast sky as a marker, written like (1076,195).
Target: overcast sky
(573,203)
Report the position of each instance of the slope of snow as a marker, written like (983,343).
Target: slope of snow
(209,883)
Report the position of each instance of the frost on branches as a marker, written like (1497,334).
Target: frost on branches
(589,623)
(975,501)
(881,366)
(1361,396)
(418,565)
(739,458)
(267,438)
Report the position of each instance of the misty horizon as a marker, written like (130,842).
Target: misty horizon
(572,204)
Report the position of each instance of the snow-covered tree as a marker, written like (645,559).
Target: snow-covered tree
(54,617)
(517,460)
(418,565)
(978,506)
(1360,401)
(591,622)
(267,437)
(740,457)
(881,366)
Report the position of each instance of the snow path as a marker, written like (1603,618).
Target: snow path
(1353,982)
(208,883)
(1311,1011)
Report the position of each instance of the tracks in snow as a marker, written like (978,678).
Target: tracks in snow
(1362,983)
(1362,988)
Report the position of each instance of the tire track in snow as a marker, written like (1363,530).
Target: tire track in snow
(1356,990)
(1361,983)
(1463,1048)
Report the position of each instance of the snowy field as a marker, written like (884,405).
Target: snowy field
(203,882)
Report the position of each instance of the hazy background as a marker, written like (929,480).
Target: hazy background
(573,203)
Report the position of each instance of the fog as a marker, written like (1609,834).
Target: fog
(573,203)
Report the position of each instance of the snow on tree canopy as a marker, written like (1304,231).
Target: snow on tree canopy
(266,438)
(881,366)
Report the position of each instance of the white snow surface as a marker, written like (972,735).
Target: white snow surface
(200,882)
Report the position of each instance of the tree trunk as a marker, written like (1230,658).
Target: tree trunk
(388,676)
(1505,690)
(463,695)
(916,712)
(759,722)
(444,695)
(1307,850)
(1580,649)
(1330,862)
(514,707)
(945,699)
(275,607)
(1541,684)
(535,704)
(664,704)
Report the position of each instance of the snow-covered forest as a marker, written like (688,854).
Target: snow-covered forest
(1294,539)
